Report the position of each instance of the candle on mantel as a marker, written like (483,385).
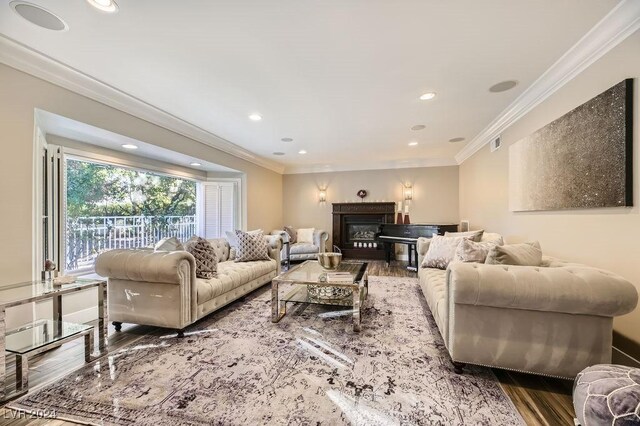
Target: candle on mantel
(406,209)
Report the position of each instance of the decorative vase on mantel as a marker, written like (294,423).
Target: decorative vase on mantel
(406,219)
(399,218)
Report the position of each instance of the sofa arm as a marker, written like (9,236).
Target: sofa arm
(175,267)
(281,233)
(569,289)
(320,239)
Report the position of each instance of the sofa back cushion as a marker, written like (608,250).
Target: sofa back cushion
(525,254)
(221,248)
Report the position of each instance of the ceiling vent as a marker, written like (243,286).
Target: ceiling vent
(496,143)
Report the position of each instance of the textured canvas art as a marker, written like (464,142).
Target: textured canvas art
(581,160)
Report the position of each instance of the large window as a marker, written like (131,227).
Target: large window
(110,207)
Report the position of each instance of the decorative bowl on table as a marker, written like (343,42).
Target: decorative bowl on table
(329,261)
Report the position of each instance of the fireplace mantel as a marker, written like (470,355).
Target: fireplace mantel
(349,216)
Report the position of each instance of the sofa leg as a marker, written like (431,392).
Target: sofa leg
(458,367)
(180,333)
(117,325)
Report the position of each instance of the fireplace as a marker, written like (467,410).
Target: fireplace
(355,226)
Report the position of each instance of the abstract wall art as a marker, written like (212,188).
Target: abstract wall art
(581,160)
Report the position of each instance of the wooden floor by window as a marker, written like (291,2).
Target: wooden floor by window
(540,400)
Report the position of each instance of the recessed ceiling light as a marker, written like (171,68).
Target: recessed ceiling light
(458,139)
(195,164)
(414,143)
(302,152)
(427,96)
(278,153)
(255,117)
(286,140)
(129,146)
(418,127)
(503,86)
(38,16)
(109,6)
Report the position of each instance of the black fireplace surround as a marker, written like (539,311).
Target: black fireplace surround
(357,224)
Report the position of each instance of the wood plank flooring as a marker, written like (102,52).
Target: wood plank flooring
(540,400)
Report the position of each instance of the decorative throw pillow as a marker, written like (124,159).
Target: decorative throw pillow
(475,235)
(233,241)
(168,244)
(441,251)
(470,251)
(525,254)
(206,259)
(305,235)
(251,247)
(293,235)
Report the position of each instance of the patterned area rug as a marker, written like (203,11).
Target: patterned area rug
(235,367)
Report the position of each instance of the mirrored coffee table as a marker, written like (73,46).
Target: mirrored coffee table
(308,284)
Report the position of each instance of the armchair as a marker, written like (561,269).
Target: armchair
(299,251)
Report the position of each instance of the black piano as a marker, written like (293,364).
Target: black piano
(391,233)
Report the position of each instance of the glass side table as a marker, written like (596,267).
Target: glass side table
(41,336)
(35,291)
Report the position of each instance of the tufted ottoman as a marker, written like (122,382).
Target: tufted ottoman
(606,394)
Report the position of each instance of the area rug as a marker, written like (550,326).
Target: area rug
(311,368)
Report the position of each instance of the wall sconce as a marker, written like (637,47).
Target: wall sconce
(322,195)
(408,192)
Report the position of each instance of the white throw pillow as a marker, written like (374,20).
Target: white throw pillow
(442,251)
(169,244)
(305,235)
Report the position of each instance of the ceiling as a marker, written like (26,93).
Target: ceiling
(342,78)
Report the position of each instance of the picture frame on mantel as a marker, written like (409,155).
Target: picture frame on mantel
(582,160)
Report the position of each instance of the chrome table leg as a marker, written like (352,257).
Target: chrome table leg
(278,308)
(103,321)
(22,373)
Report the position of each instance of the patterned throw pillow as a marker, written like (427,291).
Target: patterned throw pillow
(251,247)
(206,259)
(168,244)
(441,251)
(470,251)
(293,235)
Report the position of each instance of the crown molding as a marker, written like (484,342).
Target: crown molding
(37,64)
(380,165)
(622,21)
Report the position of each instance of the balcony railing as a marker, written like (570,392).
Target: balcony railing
(86,237)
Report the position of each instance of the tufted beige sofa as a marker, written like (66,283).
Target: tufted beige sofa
(554,320)
(305,251)
(161,288)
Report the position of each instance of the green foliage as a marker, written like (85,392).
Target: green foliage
(104,190)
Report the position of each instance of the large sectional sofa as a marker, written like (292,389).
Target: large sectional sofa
(555,319)
(160,288)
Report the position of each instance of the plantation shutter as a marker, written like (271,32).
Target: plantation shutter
(219,208)
(227,207)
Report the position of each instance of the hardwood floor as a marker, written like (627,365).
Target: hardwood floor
(540,400)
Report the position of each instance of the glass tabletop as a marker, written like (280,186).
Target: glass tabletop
(13,293)
(41,333)
(310,272)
